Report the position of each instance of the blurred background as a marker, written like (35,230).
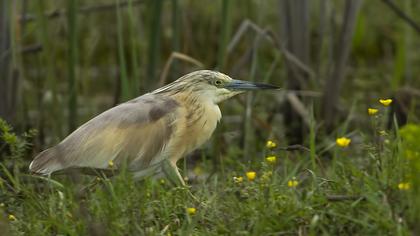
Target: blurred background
(63,62)
(307,160)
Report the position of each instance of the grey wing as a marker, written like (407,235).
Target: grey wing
(135,131)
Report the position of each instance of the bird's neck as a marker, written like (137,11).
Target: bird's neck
(199,107)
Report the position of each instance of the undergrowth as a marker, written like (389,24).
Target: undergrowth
(368,187)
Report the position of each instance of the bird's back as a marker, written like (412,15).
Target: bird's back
(136,131)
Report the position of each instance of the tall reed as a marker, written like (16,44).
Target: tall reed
(176,34)
(47,80)
(225,25)
(154,41)
(133,26)
(72,60)
(5,59)
(341,55)
(125,88)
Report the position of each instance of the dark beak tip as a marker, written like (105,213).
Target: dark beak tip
(266,86)
(245,85)
(270,87)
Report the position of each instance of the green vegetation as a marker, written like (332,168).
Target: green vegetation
(329,157)
(360,190)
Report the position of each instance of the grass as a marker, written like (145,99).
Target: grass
(354,192)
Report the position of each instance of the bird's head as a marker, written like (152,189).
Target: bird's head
(212,85)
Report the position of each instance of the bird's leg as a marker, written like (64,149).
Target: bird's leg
(83,192)
(171,172)
(150,171)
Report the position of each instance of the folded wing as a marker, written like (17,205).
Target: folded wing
(135,132)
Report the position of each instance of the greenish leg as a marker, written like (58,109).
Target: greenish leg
(152,170)
(172,173)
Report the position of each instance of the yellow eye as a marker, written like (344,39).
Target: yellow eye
(218,82)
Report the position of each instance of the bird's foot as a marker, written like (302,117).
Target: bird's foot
(197,200)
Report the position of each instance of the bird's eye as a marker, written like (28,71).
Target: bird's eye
(218,82)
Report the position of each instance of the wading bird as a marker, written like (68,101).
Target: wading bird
(150,133)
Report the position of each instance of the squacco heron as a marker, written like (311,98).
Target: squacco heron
(150,133)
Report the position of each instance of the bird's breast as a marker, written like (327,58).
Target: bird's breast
(196,127)
(201,125)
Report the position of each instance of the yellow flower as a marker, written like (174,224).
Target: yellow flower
(238,179)
(343,142)
(110,164)
(404,186)
(191,210)
(198,170)
(251,175)
(292,183)
(270,144)
(382,132)
(372,111)
(412,155)
(162,181)
(11,217)
(385,102)
(271,159)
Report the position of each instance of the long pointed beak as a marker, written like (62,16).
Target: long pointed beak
(246,85)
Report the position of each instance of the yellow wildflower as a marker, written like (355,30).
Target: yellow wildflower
(251,175)
(411,155)
(271,159)
(343,142)
(162,181)
(238,179)
(11,217)
(382,132)
(110,164)
(372,111)
(198,170)
(292,183)
(385,102)
(404,186)
(270,144)
(191,210)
